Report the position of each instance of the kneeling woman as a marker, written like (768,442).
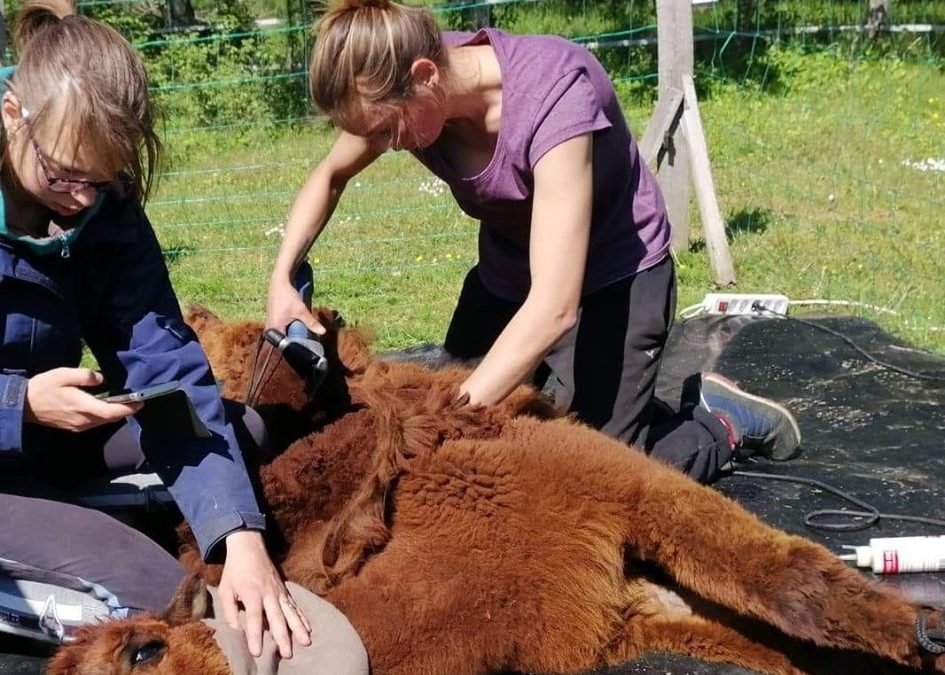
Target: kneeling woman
(574,266)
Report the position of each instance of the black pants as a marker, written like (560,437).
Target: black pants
(41,528)
(606,366)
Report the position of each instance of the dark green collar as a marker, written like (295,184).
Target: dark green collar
(51,245)
(60,243)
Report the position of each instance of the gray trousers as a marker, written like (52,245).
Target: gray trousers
(64,566)
(605,367)
(91,563)
(43,529)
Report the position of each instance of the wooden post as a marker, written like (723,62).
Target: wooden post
(674,143)
(180,14)
(713,225)
(675,56)
(878,19)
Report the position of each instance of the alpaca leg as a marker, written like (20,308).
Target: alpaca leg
(699,638)
(193,562)
(724,554)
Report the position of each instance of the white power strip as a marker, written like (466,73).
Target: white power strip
(734,304)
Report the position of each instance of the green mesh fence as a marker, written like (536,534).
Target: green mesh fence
(825,124)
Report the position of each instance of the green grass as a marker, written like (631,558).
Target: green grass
(811,182)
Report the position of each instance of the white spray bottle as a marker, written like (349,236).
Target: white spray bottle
(894,555)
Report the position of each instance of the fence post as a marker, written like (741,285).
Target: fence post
(180,14)
(675,55)
(878,19)
(713,226)
(674,142)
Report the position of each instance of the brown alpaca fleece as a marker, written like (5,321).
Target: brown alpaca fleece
(467,541)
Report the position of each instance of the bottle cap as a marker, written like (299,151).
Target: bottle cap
(862,555)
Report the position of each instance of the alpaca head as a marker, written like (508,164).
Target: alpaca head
(174,642)
(240,358)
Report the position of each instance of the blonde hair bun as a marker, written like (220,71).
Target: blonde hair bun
(361,4)
(369,54)
(34,16)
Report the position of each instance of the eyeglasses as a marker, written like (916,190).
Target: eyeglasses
(57,183)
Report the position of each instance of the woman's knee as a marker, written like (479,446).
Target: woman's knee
(336,647)
(251,433)
(110,561)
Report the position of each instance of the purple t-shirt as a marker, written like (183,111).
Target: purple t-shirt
(554,90)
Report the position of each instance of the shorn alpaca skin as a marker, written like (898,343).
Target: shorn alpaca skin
(465,541)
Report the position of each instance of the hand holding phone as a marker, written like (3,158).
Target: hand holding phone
(60,398)
(140,395)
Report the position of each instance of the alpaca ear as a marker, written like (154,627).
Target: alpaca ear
(331,319)
(66,661)
(190,603)
(199,318)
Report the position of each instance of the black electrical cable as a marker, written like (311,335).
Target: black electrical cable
(761,309)
(860,520)
(932,641)
(870,515)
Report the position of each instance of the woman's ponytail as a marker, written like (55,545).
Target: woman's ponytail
(34,16)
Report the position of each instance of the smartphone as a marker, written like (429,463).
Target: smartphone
(140,395)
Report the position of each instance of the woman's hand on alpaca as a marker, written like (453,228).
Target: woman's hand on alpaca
(250,578)
(56,398)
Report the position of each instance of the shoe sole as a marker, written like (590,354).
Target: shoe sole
(727,384)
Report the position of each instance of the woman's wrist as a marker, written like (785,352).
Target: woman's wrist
(244,539)
(282,273)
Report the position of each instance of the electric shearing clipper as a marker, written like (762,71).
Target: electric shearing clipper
(304,353)
(301,348)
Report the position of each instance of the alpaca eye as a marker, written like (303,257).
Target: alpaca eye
(147,653)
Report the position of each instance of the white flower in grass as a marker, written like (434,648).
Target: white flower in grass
(432,186)
(930,164)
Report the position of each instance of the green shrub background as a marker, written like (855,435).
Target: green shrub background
(824,147)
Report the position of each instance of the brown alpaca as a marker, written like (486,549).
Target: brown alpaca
(463,541)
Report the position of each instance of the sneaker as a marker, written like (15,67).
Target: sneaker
(756,424)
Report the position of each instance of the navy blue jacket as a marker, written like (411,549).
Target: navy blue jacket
(110,288)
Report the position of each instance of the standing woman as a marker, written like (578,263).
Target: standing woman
(574,267)
(79,261)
